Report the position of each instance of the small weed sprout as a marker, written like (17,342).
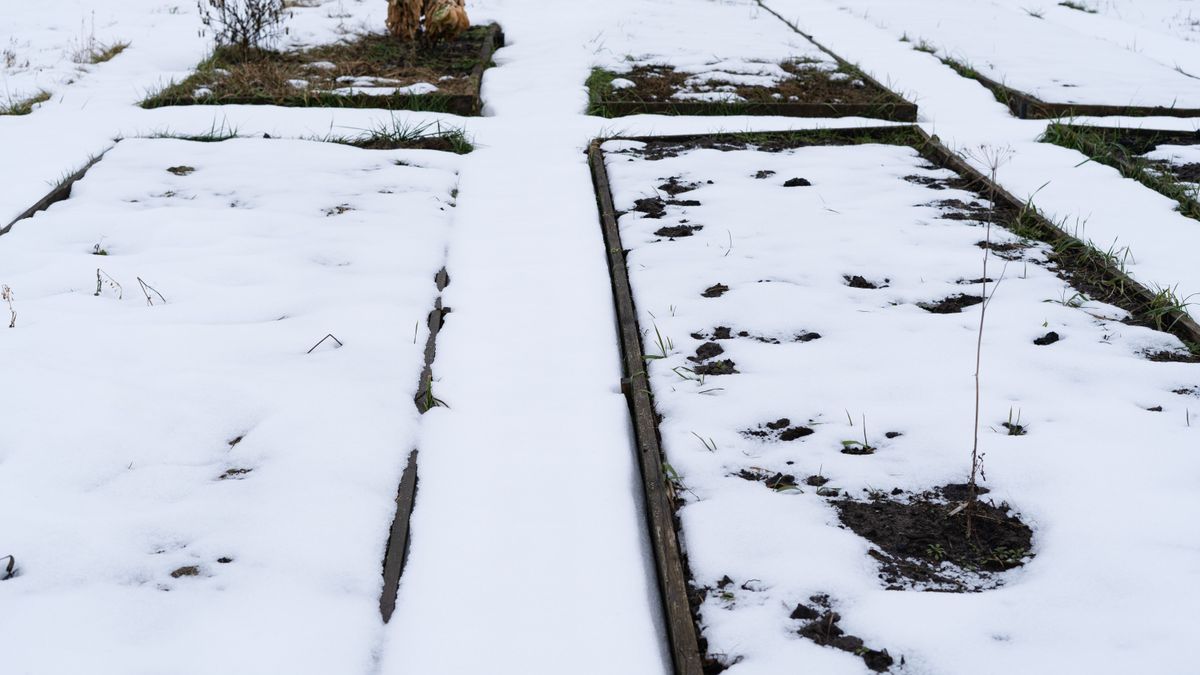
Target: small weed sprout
(665,345)
(1166,305)
(245,25)
(856,447)
(6,295)
(992,158)
(708,443)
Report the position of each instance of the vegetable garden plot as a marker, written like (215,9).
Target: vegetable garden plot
(211,375)
(1166,161)
(1037,68)
(808,308)
(368,71)
(723,61)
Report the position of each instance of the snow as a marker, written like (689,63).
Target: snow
(528,553)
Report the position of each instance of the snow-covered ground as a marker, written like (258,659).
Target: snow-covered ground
(528,554)
(811,349)
(186,488)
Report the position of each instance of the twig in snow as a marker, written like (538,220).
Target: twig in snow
(339,342)
(9,569)
(6,294)
(993,158)
(101,278)
(149,300)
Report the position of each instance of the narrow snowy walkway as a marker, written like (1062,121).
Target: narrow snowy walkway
(528,547)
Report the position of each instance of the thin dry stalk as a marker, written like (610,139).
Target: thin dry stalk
(146,289)
(6,295)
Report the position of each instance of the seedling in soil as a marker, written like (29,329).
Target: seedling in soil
(426,401)
(1014,427)
(665,345)
(6,295)
(862,447)
(97,250)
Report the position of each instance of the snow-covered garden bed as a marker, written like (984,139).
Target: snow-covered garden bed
(210,381)
(810,318)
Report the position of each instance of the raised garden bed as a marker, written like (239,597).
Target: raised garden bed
(781,298)
(253,307)
(1165,161)
(797,88)
(743,62)
(369,71)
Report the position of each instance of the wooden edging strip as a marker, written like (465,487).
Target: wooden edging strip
(897,111)
(1027,106)
(60,192)
(670,563)
(660,518)
(395,554)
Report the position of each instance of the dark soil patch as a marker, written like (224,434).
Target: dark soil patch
(892,434)
(310,77)
(726,333)
(821,626)
(781,429)
(235,474)
(857,281)
(775,480)
(225,560)
(677,231)
(189,571)
(923,541)
(797,182)
(951,305)
(181,170)
(1047,339)
(715,291)
(1010,250)
(928,181)
(816,480)
(1167,356)
(956,209)
(975,282)
(707,351)
(674,187)
(765,173)
(1187,391)
(723,367)
(1188,173)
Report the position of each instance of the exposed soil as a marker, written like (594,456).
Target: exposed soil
(723,367)
(673,187)
(707,351)
(181,170)
(797,182)
(715,291)
(677,231)
(857,281)
(726,333)
(804,84)
(1165,356)
(765,173)
(774,480)
(307,77)
(189,571)
(923,541)
(1047,339)
(956,209)
(820,624)
(781,429)
(951,305)
(235,474)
